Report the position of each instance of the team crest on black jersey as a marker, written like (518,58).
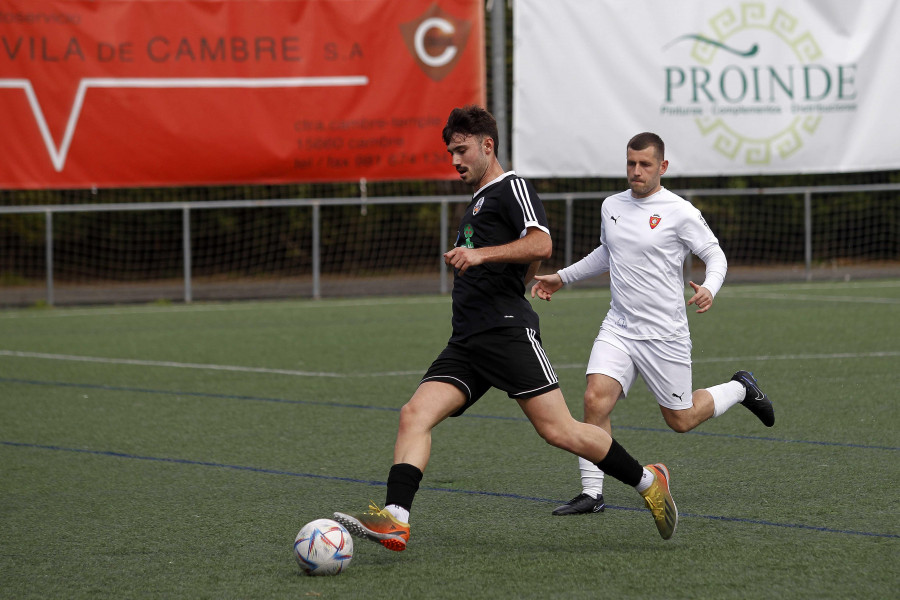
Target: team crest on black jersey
(469,232)
(654,221)
(478,205)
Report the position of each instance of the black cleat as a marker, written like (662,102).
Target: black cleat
(580,505)
(754,399)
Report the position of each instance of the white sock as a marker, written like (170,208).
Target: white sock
(398,512)
(647,478)
(591,478)
(726,395)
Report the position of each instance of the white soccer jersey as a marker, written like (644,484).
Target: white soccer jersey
(644,244)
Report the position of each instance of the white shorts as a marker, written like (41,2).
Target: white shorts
(664,365)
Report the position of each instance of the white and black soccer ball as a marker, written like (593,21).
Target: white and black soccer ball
(323,547)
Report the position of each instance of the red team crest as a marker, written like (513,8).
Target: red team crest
(654,221)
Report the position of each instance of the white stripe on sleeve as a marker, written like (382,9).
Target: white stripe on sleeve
(520,191)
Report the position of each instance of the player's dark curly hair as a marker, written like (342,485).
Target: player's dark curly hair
(471,120)
(647,139)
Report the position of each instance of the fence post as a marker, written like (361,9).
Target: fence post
(498,79)
(48,247)
(316,251)
(186,242)
(807,234)
(444,242)
(570,228)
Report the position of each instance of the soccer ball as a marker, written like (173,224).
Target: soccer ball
(323,547)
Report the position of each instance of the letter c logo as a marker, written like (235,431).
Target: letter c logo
(419,42)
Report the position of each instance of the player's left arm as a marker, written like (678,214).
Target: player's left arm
(716,267)
(534,246)
(699,237)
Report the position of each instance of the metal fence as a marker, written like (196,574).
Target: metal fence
(796,233)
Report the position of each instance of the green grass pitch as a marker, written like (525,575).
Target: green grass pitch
(175,451)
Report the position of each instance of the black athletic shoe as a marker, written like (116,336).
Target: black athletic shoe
(580,505)
(758,403)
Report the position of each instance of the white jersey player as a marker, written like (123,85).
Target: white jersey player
(646,233)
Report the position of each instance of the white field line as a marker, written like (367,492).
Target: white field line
(835,285)
(813,298)
(165,363)
(202,307)
(763,291)
(296,373)
(311,305)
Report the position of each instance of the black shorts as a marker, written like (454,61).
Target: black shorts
(510,359)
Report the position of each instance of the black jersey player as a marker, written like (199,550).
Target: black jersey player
(495,341)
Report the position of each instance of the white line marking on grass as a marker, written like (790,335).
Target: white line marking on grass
(763,291)
(852,285)
(809,298)
(721,359)
(158,363)
(850,355)
(295,373)
(213,307)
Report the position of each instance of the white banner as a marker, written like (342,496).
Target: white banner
(762,87)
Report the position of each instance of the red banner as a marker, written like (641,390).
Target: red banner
(179,92)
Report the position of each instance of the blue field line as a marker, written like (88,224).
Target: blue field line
(115,388)
(112,388)
(370,482)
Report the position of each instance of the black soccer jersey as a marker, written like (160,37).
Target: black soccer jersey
(493,294)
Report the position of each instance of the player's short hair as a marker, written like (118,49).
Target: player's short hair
(647,139)
(471,120)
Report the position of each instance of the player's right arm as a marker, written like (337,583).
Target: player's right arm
(535,245)
(546,285)
(593,264)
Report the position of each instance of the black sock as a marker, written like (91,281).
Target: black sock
(621,465)
(402,485)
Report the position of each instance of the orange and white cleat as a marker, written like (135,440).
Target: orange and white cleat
(378,525)
(659,501)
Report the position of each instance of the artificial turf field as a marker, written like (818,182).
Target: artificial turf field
(174,452)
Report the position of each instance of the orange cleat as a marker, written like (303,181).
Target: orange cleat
(378,525)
